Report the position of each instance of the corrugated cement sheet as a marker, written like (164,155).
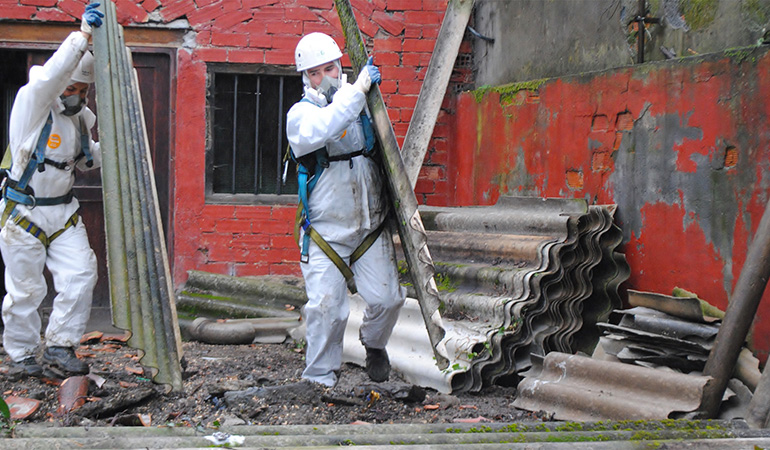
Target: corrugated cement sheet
(141,294)
(579,388)
(525,276)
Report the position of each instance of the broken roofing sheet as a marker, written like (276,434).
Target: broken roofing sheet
(648,366)
(525,276)
(580,388)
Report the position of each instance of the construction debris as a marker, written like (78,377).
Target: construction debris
(21,407)
(649,366)
(72,394)
(525,276)
(580,388)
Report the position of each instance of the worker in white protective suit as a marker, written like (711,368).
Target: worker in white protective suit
(345,208)
(49,137)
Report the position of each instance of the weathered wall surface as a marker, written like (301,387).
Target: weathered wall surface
(256,239)
(682,147)
(539,39)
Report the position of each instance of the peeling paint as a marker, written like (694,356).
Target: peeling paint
(682,147)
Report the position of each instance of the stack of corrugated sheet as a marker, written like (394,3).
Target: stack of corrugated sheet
(648,366)
(525,276)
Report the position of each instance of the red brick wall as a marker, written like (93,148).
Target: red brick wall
(256,240)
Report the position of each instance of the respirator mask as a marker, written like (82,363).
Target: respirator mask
(328,87)
(72,104)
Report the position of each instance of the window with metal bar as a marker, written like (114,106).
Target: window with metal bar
(247,133)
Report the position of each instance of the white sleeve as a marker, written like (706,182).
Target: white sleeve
(309,127)
(35,99)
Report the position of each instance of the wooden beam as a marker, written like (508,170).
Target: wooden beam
(433,89)
(15,33)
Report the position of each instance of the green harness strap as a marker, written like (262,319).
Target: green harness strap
(333,255)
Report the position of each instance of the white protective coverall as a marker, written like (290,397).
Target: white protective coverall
(346,205)
(69,257)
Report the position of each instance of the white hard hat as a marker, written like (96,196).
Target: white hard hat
(315,49)
(84,73)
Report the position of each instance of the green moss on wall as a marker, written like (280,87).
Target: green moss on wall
(699,13)
(507,92)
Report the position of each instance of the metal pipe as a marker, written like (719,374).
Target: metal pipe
(640,31)
(739,315)
(257,165)
(234,159)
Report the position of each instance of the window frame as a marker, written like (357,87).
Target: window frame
(212,69)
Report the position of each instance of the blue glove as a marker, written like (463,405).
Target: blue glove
(374,72)
(92,17)
(369,74)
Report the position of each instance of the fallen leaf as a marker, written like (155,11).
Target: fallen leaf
(431,407)
(127,384)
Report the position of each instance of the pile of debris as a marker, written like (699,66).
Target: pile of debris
(525,276)
(649,366)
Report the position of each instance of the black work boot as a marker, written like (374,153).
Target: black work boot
(377,364)
(64,359)
(27,367)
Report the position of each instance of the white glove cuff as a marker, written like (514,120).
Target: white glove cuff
(85,27)
(364,81)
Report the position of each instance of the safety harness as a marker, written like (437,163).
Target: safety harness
(309,170)
(19,192)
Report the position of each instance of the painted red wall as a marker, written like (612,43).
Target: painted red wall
(682,147)
(248,239)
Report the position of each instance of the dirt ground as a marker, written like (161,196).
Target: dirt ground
(256,384)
